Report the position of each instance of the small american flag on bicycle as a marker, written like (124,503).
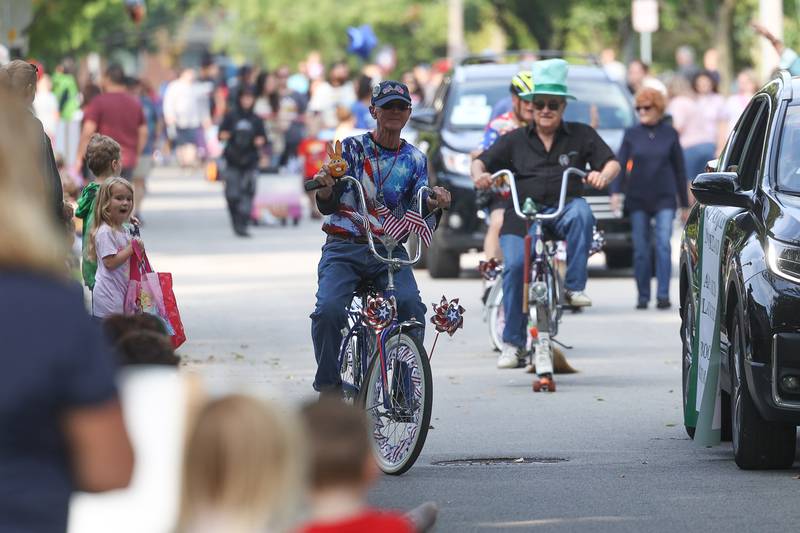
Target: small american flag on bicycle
(399,226)
(360,221)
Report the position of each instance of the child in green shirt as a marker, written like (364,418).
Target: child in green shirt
(104,158)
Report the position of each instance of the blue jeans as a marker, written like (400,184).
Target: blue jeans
(575,225)
(695,158)
(342,266)
(645,239)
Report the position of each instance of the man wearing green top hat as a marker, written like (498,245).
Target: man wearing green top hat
(537,154)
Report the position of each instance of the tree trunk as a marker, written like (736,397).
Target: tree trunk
(723,41)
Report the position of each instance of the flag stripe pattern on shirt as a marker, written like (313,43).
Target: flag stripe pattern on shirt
(390,198)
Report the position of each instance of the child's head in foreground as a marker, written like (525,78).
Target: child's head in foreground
(339,446)
(243,465)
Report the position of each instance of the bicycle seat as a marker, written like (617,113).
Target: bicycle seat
(366,286)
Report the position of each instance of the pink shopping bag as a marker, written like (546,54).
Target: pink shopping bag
(144,294)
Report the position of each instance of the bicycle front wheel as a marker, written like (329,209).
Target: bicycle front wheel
(497,316)
(555,295)
(400,415)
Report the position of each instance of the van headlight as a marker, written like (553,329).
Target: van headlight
(784,259)
(457,162)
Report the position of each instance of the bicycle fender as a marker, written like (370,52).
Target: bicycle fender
(409,325)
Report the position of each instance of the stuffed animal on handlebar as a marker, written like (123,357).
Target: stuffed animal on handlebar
(337,166)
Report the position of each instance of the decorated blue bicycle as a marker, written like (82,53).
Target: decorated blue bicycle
(384,366)
(368,342)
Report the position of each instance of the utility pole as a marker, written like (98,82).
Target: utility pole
(455,29)
(770,14)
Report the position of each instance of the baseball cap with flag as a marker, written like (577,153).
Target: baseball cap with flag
(389,91)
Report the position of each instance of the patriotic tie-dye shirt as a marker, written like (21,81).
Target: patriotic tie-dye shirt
(399,180)
(497,127)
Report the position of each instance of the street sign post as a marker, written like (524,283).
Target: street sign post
(644,15)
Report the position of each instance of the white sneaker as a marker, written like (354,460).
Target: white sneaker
(509,357)
(578,299)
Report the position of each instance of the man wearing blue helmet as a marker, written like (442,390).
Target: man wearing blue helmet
(521,113)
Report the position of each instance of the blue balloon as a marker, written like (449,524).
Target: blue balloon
(362,40)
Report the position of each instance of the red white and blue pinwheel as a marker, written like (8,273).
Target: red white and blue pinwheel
(448,316)
(490,269)
(380,312)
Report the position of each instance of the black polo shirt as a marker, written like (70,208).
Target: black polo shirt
(537,171)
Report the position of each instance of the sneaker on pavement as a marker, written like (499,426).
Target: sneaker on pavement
(578,299)
(510,356)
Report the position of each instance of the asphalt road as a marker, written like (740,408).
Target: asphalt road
(624,462)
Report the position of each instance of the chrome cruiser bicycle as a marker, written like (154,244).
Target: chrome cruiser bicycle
(542,298)
(383,364)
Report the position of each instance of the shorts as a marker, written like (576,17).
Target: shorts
(127,173)
(185,136)
(143,167)
(499,202)
(490,201)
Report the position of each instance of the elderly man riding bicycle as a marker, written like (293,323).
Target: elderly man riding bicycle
(391,172)
(538,154)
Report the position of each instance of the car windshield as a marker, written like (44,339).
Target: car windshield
(470,104)
(789,152)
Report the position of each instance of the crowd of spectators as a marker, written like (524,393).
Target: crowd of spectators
(82,404)
(98,427)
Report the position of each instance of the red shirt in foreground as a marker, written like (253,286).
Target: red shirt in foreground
(119,116)
(367,522)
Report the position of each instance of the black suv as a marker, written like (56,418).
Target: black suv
(454,127)
(755,188)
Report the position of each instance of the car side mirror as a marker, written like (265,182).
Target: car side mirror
(720,188)
(425,116)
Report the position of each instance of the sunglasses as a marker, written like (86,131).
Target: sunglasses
(645,108)
(552,105)
(398,106)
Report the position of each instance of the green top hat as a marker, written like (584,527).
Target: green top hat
(549,77)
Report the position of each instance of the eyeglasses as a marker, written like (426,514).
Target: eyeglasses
(398,106)
(645,108)
(552,105)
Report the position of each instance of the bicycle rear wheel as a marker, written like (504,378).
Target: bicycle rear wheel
(399,425)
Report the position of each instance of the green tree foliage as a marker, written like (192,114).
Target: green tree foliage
(75,27)
(274,32)
(284,31)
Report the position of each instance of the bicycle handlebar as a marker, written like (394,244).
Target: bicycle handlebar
(312,185)
(393,261)
(561,199)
